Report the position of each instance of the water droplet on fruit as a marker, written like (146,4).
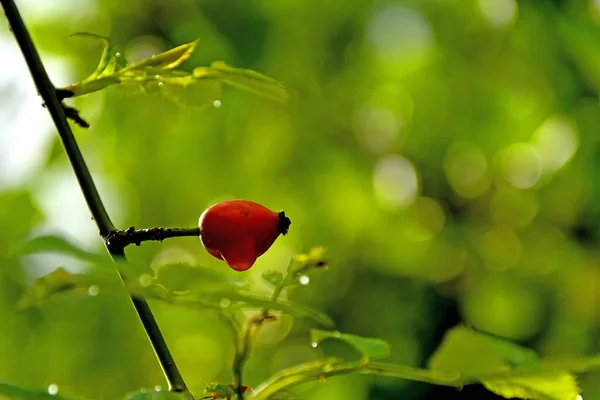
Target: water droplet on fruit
(217,103)
(304,280)
(145,280)
(52,389)
(225,303)
(93,290)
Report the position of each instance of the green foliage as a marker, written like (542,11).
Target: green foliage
(181,278)
(152,394)
(369,348)
(160,72)
(179,284)
(462,351)
(302,264)
(495,124)
(536,387)
(244,79)
(507,369)
(59,281)
(57,245)
(274,278)
(10,392)
(216,390)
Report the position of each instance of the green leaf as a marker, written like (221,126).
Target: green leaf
(107,53)
(61,281)
(16,393)
(560,386)
(159,74)
(218,390)
(313,370)
(569,364)
(186,278)
(474,354)
(110,60)
(232,299)
(303,263)
(196,94)
(58,281)
(370,348)
(245,79)
(168,60)
(152,394)
(275,278)
(57,245)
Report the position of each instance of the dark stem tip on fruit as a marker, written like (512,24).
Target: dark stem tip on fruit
(284,223)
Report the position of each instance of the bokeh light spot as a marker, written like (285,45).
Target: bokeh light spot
(500,248)
(377,128)
(503,307)
(521,165)
(426,221)
(512,207)
(395,181)
(53,389)
(498,13)
(466,170)
(400,34)
(145,280)
(93,290)
(556,143)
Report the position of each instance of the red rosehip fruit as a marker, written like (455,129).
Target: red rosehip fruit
(239,231)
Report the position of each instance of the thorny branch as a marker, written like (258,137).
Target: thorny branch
(119,239)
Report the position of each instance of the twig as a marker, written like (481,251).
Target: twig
(119,239)
(246,337)
(48,92)
(322,369)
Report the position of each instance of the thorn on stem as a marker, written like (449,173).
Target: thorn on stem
(73,114)
(64,94)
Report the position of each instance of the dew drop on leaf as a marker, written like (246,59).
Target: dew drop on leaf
(304,280)
(93,290)
(53,389)
(160,83)
(217,103)
(314,344)
(156,76)
(157,388)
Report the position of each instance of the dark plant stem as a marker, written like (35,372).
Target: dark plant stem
(48,93)
(119,239)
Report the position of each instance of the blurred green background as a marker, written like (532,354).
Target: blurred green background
(445,152)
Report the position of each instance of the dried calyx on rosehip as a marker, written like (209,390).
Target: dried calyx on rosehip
(240,231)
